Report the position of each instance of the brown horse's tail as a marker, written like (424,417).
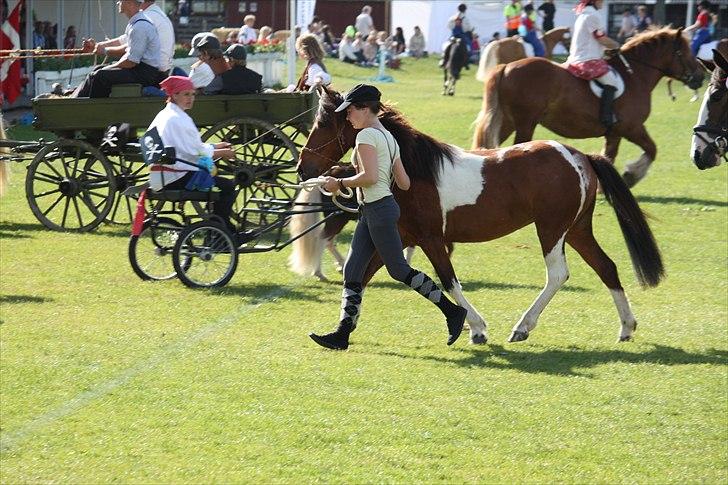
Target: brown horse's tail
(490,119)
(488,60)
(643,250)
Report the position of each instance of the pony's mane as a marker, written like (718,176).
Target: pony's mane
(422,155)
(649,38)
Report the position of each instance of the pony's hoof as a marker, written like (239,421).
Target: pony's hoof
(518,336)
(628,338)
(479,339)
(444,93)
(451,93)
(630,179)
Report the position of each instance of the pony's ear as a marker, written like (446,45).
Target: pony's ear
(679,31)
(704,65)
(720,61)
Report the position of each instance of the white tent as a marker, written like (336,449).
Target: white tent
(486,16)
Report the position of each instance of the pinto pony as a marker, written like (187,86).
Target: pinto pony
(523,94)
(453,61)
(710,134)
(511,49)
(459,196)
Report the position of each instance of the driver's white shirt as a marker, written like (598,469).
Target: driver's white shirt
(176,129)
(584,44)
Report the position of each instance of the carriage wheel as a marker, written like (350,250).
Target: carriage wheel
(70,186)
(128,172)
(205,256)
(150,253)
(264,155)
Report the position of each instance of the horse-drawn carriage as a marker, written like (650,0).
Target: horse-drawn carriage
(94,172)
(78,181)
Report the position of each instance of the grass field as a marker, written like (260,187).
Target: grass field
(104,378)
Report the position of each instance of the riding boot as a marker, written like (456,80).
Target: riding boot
(350,309)
(454,314)
(606,111)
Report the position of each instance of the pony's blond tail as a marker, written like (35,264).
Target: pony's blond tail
(488,60)
(490,119)
(305,258)
(4,167)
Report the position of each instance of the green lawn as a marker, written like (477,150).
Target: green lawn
(104,378)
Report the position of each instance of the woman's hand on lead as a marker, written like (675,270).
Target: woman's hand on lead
(222,145)
(331,185)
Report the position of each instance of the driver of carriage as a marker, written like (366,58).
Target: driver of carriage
(586,55)
(139,63)
(116,47)
(177,130)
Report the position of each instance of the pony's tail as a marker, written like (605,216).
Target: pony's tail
(490,119)
(643,250)
(307,250)
(4,166)
(488,60)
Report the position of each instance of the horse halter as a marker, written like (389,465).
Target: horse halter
(337,138)
(686,77)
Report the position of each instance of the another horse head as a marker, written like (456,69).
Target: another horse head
(710,135)
(331,137)
(667,51)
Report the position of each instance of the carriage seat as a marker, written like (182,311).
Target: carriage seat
(173,195)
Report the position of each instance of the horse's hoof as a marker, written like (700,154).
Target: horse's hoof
(479,339)
(630,179)
(628,338)
(518,336)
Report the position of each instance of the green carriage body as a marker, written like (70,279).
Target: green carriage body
(61,115)
(78,181)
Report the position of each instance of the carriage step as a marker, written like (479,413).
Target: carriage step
(135,190)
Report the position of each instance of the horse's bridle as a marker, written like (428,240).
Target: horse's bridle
(719,144)
(686,76)
(338,138)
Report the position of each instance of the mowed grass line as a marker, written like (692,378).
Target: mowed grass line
(255,401)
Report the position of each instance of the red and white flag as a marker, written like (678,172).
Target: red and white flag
(10,39)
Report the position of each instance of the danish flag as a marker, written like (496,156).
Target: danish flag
(10,39)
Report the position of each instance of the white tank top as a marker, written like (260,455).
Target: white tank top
(387,151)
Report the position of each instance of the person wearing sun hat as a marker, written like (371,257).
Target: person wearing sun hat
(379,167)
(177,130)
(239,79)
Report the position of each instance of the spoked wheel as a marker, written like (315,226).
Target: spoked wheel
(265,158)
(128,172)
(150,253)
(205,256)
(70,186)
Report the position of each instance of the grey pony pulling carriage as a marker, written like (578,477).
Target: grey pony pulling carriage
(93,173)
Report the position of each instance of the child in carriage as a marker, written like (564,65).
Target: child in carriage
(177,130)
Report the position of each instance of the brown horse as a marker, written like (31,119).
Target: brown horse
(511,49)
(459,196)
(533,91)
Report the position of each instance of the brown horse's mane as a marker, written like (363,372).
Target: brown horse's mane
(648,40)
(421,154)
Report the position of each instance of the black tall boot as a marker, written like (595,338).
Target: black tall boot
(606,104)
(454,314)
(351,297)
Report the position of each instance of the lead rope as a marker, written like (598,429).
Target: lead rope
(317,183)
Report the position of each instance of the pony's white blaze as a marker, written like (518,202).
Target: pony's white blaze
(461,182)
(578,165)
(698,144)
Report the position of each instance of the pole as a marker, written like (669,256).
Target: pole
(291,44)
(689,13)
(60,25)
(29,45)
